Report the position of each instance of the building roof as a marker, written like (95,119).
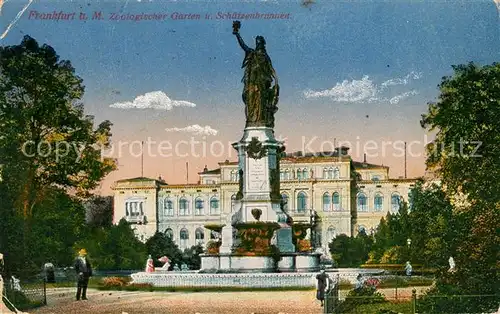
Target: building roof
(138,179)
(213,171)
(365,165)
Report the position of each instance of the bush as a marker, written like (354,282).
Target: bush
(357,297)
(114,282)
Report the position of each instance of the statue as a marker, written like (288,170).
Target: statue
(408,268)
(259,97)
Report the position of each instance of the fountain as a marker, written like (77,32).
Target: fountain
(257,245)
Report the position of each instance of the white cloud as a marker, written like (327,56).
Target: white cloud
(195,129)
(402,80)
(396,99)
(365,90)
(153,100)
(348,91)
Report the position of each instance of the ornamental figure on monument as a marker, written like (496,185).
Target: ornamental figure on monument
(259,96)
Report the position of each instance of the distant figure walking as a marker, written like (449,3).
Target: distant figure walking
(84,271)
(322,286)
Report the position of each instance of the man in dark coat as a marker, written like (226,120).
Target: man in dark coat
(84,272)
(322,286)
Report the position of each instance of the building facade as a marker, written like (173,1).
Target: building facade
(347,196)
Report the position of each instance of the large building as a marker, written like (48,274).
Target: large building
(347,196)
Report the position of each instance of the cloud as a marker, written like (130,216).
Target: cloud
(396,99)
(403,80)
(365,90)
(347,91)
(195,129)
(153,100)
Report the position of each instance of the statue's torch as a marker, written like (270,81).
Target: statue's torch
(236,27)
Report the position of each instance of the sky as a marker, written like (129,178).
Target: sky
(355,73)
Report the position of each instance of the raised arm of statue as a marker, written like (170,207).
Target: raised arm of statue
(242,43)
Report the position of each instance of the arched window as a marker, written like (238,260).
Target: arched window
(299,174)
(376,178)
(378,202)
(330,173)
(169,233)
(199,235)
(336,173)
(330,234)
(395,202)
(362,230)
(326,202)
(301,202)
(285,198)
(214,206)
(198,204)
(325,173)
(233,175)
(361,202)
(168,207)
(184,237)
(183,207)
(336,201)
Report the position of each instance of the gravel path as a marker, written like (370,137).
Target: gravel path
(108,302)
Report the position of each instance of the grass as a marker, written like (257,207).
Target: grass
(386,307)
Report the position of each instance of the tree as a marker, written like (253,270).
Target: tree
(99,211)
(47,145)
(47,140)
(466,156)
(350,251)
(160,245)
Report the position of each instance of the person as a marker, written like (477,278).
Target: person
(84,270)
(451,261)
(322,285)
(408,268)
(150,267)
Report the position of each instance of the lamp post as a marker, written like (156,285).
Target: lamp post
(312,219)
(408,241)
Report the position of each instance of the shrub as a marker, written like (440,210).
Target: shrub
(113,282)
(213,247)
(357,297)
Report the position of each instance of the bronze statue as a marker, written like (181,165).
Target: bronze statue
(259,96)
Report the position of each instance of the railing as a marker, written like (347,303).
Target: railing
(136,219)
(26,294)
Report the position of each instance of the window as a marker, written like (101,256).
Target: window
(325,173)
(299,174)
(376,178)
(134,207)
(168,207)
(169,233)
(183,207)
(284,196)
(184,237)
(214,206)
(305,174)
(362,230)
(233,176)
(330,234)
(395,202)
(378,202)
(336,201)
(282,175)
(362,206)
(336,173)
(287,174)
(326,202)
(199,235)
(198,206)
(233,201)
(301,202)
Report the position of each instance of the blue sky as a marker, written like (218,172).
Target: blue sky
(339,63)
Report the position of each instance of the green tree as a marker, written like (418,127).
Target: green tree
(99,211)
(466,156)
(160,245)
(47,141)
